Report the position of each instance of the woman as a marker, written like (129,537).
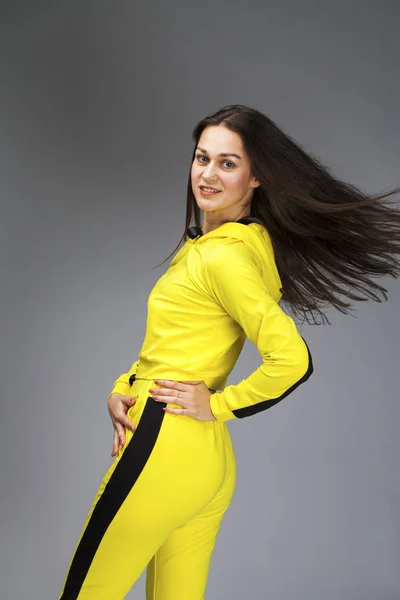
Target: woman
(276,226)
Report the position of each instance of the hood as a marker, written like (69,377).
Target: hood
(257,237)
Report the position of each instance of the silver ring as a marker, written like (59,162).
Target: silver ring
(179,395)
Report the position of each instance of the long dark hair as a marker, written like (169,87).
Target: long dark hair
(329,237)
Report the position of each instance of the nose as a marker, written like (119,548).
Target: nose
(209,172)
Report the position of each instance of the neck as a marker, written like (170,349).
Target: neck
(211,222)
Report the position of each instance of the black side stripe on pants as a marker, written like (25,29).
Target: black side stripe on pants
(118,487)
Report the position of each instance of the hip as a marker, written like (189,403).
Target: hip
(197,450)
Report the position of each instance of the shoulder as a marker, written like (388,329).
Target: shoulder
(228,253)
(237,251)
(233,242)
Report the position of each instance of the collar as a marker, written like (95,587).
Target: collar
(194,231)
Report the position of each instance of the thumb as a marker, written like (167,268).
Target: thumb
(128,400)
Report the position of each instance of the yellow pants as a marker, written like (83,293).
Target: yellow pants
(159,506)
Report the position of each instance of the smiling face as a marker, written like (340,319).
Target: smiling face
(221,163)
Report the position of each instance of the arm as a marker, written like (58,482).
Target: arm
(122,385)
(232,276)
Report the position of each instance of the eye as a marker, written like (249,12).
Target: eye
(200,156)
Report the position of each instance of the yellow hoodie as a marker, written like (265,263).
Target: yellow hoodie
(219,288)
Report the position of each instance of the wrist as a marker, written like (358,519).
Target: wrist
(219,407)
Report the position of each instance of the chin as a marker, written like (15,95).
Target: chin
(206,207)
(205,204)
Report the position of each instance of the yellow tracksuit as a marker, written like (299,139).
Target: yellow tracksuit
(161,502)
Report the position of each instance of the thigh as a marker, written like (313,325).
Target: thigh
(169,469)
(106,561)
(179,569)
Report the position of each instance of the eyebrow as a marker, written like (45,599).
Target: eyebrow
(221,154)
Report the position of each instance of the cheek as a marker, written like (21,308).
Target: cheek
(195,172)
(237,180)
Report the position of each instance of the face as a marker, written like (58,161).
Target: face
(221,163)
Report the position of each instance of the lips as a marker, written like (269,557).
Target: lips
(207,188)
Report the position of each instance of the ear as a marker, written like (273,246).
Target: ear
(255,183)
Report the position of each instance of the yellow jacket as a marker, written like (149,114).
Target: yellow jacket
(220,287)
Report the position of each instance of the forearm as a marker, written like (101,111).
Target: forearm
(278,376)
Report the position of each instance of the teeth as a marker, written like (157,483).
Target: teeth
(209,189)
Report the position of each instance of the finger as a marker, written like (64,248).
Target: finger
(122,419)
(181,386)
(175,411)
(173,385)
(121,433)
(170,400)
(115,443)
(127,422)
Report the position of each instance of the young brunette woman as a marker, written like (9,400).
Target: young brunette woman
(276,226)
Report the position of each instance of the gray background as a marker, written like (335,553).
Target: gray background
(97,104)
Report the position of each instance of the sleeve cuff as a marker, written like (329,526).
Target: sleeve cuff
(219,408)
(121,387)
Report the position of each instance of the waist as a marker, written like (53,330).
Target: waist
(134,378)
(150,371)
